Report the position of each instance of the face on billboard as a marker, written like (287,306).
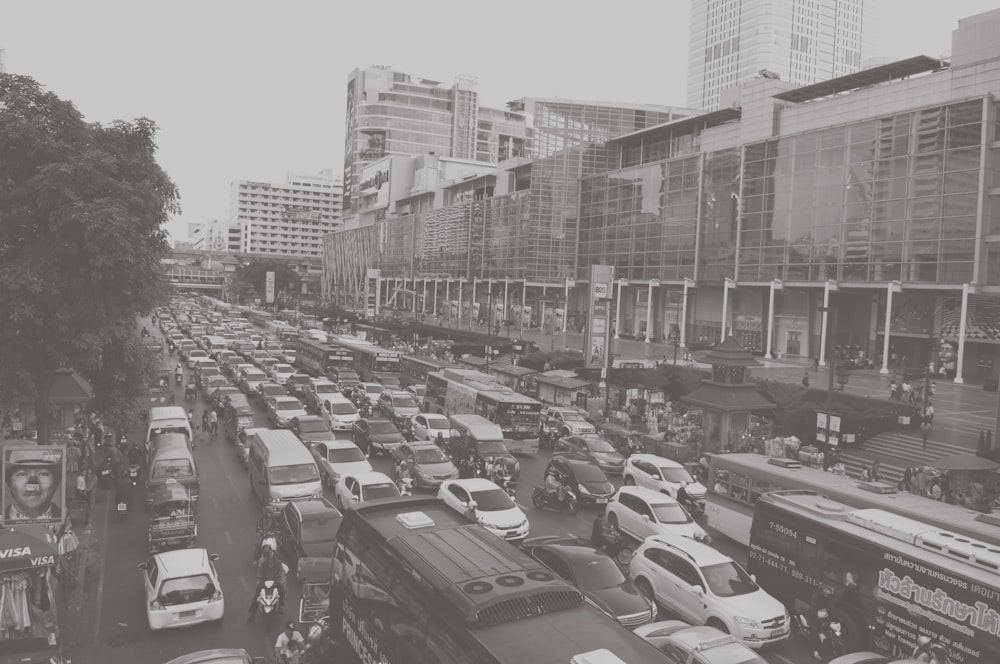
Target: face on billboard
(34,487)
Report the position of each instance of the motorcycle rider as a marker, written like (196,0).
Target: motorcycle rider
(268,568)
(439,440)
(555,484)
(930,651)
(145,332)
(403,473)
(179,372)
(288,636)
(123,487)
(821,600)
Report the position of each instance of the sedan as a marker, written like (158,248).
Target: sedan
(428,464)
(356,488)
(281,410)
(320,389)
(339,413)
(376,436)
(264,391)
(699,644)
(427,426)
(211,384)
(338,458)
(593,448)
(194,354)
(640,513)
(596,574)
(484,502)
(310,429)
(307,529)
(182,589)
(280,372)
(220,397)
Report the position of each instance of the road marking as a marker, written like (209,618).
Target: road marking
(100,577)
(243,580)
(229,538)
(782,658)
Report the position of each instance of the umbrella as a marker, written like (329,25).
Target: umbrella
(964,461)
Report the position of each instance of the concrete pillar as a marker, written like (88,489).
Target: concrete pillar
(726,285)
(684,313)
(524,303)
(649,310)
(434,304)
(566,310)
(776,284)
(960,359)
(893,287)
(506,299)
(618,309)
(827,287)
(447,298)
(424,289)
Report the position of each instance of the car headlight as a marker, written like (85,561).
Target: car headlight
(424,476)
(583,489)
(275,500)
(517,465)
(746,622)
(318,493)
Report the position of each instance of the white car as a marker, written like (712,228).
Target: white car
(426,426)
(282,410)
(703,586)
(337,458)
(339,413)
(358,487)
(286,355)
(488,504)
(660,474)
(640,512)
(280,372)
(182,588)
(568,421)
(249,379)
(319,389)
(698,644)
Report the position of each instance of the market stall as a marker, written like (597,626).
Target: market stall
(29,610)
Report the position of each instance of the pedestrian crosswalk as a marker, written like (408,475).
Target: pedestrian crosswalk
(896,451)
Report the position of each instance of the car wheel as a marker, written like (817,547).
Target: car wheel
(718,624)
(646,590)
(628,480)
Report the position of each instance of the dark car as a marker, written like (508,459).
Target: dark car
(308,528)
(376,436)
(310,429)
(429,465)
(220,397)
(297,385)
(483,453)
(218,656)
(269,389)
(588,481)
(595,574)
(594,448)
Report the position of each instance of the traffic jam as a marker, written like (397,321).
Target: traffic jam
(415,509)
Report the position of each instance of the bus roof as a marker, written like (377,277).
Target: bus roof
(428,361)
(509,396)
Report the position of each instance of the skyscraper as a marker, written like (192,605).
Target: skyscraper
(800,41)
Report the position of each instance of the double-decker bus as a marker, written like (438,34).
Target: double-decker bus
(413,582)
(737,481)
(319,359)
(372,363)
(457,391)
(894,579)
(413,369)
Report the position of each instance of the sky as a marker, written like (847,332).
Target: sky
(250,90)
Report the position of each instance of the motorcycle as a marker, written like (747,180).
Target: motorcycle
(509,486)
(269,599)
(799,627)
(828,633)
(320,643)
(406,486)
(179,377)
(565,499)
(547,438)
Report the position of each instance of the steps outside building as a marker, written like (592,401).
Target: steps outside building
(897,451)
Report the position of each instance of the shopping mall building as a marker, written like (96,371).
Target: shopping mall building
(858,216)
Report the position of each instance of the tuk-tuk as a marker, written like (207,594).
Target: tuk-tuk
(626,442)
(161,391)
(314,576)
(238,416)
(171,524)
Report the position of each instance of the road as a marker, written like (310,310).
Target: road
(227,514)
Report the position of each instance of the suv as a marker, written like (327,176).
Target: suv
(639,513)
(318,390)
(584,477)
(663,475)
(398,406)
(705,587)
(567,421)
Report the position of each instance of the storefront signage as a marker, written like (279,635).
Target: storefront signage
(375,183)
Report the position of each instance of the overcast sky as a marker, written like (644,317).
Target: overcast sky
(251,90)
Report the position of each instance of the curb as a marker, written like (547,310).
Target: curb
(75,635)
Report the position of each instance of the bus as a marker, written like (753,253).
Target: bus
(413,369)
(372,363)
(894,579)
(319,359)
(260,318)
(413,582)
(737,481)
(457,391)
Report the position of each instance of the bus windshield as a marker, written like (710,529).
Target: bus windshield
(387,364)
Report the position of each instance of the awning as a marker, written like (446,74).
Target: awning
(21,548)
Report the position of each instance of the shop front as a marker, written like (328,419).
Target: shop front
(29,592)
(68,396)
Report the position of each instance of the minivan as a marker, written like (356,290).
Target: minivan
(171,458)
(478,438)
(281,468)
(168,419)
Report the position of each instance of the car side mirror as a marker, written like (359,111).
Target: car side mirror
(213,557)
(645,517)
(699,591)
(473,505)
(753,577)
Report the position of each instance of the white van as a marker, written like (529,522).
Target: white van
(168,419)
(214,344)
(281,468)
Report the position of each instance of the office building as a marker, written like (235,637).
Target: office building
(799,41)
(285,219)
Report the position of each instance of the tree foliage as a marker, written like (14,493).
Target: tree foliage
(82,206)
(250,280)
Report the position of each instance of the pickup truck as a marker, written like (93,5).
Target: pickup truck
(567,421)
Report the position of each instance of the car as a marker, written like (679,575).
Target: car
(699,644)
(254,357)
(398,406)
(587,481)
(594,448)
(567,421)
(429,465)
(418,392)
(230,366)
(427,426)
(639,512)
(240,368)
(367,393)
(703,586)
(218,656)
(297,384)
(250,378)
(211,384)
(182,589)
(201,365)
(263,391)
(286,355)
(186,346)
(347,385)
(484,502)
(869,657)
(310,429)
(356,488)
(220,397)
(269,362)
(307,529)
(337,458)
(193,354)
(281,410)
(376,436)
(317,390)
(595,574)
(663,475)
(280,372)
(339,413)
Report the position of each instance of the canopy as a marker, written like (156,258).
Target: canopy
(964,461)
(20,549)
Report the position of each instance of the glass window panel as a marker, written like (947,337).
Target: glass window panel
(959,227)
(901,125)
(861,152)
(863,133)
(889,210)
(964,159)
(753,187)
(833,137)
(957,250)
(965,112)
(960,205)
(925,208)
(892,168)
(832,157)
(900,145)
(928,163)
(961,181)
(756,151)
(964,136)
(954,273)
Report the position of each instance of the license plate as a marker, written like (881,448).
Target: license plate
(187,614)
(122,507)
(775,632)
(601,501)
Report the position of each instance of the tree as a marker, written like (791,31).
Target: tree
(82,207)
(122,373)
(252,278)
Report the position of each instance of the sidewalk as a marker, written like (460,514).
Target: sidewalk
(82,580)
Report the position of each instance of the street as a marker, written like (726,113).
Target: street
(227,514)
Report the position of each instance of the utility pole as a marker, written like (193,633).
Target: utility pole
(489,328)
(830,355)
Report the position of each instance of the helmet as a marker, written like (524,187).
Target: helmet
(923,641)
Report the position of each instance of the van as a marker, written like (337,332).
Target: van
(281,469)
(214,344)
(168,419)
(171,458)
(477,438)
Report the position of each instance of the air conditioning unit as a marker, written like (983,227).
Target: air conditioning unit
(784,463)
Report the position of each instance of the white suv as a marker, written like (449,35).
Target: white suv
(568,421)
(705,587)
(640,512)
(661,474)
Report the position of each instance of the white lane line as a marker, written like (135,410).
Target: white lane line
(782,658)
(243,580)
(229,538)
(100,577)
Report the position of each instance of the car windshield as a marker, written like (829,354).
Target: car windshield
(272,390)
(571,417)
(374,389)
(186,589)
(599,445)
(283,368)
(343,408)
(381,490)
(302,472)
(492,500)
(670,513)
(404,402)
(735,653)
(313,426)
(429,455)
(345,455)
(327,389)
(728,579)
(256,376)
(288,405)
(433,423)
(172,468)
(597,573)
(676,475)
(419,391)
(320,529)
(382,427)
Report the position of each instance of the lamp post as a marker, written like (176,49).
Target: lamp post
(831,357)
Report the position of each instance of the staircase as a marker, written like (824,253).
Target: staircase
(897,451)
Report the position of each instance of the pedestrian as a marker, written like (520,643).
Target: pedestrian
(892,389)
(935,490)
(213,420)
(904,484)
(929,414)
(805,379)
(816,363)
(925,432)
(907,390)
(877,471)
(204,420)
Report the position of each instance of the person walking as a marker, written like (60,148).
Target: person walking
(892,388)
(925,432)
(877,471)
(204,420)
(929,414)
(805,379)
(213,420)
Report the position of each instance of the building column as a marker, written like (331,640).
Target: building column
(506,299)
(461,293)
(830,285)
(447,298)
(434,304)
(960,359)
(688,283)
(776,284)
(566,309)
(524,303)
(618,308)
(649,309)
(414,289)
(893,287)
(726,285)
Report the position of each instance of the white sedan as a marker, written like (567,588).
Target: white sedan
(426,426)
(640,512)
(358,487)
(182,588)
(486,503)
(280,373)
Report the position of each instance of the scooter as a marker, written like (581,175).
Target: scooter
(564,500)
(179,377)
(828,631)
(269,599)
(406,486)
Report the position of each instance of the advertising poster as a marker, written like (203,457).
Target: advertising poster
(597,331)
(269,288)
(34,491)
(372,293)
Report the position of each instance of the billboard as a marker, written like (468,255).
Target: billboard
(372,288)
(269,288)
(597,333)
(375,182)
(34,490)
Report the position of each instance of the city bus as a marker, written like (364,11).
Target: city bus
(457,391)
(737,481)
(318,359)
(260,318)
(894,579)
(371,362)
(413,582)
(413,369)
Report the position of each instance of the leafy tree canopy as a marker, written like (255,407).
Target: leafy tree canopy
(251,279)
(82,206)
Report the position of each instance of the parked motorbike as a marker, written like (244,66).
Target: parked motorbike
(564,500)
(509,486)
(799,627)
(321,645)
